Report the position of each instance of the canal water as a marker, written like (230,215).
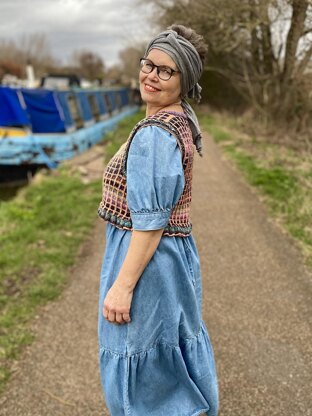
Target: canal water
(9,192)
(11,184)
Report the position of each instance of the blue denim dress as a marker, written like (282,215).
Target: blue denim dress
(162,362)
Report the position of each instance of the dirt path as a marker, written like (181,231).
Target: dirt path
(257,305)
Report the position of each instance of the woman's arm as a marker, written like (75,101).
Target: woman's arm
(117,303)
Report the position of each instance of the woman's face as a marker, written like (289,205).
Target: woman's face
(156,92)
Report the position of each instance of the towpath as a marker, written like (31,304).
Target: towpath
(257,305)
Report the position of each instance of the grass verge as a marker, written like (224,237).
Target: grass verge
(41,231)
(117,137)
(283,176)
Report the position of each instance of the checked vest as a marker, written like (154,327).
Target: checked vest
(114,208)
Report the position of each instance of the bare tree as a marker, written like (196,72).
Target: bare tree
(8,59)
(36,49)
(129,58)
(263,47)
(31,48)
(8,66)
(89,64)
(113,74)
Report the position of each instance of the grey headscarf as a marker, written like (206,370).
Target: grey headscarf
(189,63)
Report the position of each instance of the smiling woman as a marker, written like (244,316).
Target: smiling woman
(156,92)
(155,353)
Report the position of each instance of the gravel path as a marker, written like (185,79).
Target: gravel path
(257,305)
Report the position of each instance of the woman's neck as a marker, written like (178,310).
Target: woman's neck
(150,111)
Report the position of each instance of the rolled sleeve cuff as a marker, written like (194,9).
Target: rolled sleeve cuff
(147,221)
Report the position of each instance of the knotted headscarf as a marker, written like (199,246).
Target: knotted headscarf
(188,61)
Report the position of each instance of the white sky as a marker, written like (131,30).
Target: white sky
(103,26)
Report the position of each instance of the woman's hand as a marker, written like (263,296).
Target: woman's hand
(117,303)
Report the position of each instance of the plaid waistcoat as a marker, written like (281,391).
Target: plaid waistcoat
(114,208)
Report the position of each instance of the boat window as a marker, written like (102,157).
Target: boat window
(108,103)
(94,107)
(75,111)
(118,100)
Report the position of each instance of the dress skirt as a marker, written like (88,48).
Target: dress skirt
(162,362)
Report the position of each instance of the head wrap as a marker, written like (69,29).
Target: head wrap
(188,61)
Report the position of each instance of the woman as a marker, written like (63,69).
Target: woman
(154,349)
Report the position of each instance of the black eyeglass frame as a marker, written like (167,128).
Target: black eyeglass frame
(158,68)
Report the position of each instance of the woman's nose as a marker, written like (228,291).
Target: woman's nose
(153,74)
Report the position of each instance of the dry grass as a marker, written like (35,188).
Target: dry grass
(281,173)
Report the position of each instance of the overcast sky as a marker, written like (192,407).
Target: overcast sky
(104,26)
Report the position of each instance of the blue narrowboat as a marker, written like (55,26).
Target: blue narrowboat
(41,127)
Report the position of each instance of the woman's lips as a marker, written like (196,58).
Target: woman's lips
(149,88)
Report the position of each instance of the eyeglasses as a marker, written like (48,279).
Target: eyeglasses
(164,72)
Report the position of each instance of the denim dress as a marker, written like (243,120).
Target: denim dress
(162,362)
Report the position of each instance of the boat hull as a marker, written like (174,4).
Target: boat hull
(24,153)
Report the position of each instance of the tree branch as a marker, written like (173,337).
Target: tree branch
(304,62)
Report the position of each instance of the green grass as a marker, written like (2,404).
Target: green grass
(208,123)
(117,137)
(282,176)
(275,182)
(41,230)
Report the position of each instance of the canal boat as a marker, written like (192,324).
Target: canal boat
(41,127)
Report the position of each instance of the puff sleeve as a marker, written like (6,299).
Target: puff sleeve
(155,177)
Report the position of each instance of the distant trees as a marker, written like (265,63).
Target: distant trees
(31,48)
(126,71)
(88,64)
(8,66)
(130,61)
(35,48)
(264,47)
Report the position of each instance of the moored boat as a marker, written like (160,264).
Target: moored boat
(40,127)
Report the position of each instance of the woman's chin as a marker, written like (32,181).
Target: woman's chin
(151,101)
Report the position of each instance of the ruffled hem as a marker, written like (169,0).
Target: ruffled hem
(165,379)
